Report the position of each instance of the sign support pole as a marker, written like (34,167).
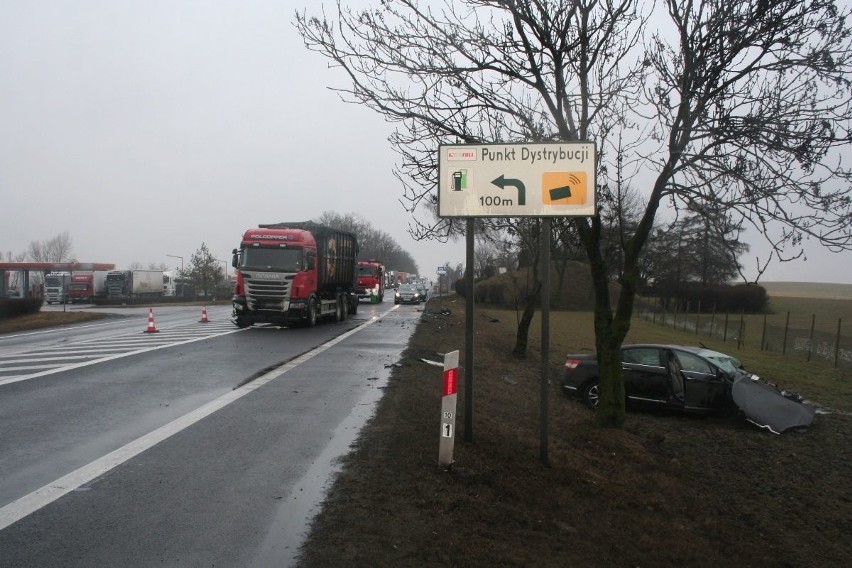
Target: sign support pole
(468,341)
(545,335)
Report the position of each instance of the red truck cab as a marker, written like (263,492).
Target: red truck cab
(370,279)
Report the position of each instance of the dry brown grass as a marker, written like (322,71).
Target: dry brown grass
(46,319)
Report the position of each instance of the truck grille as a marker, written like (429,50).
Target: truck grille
(262,294)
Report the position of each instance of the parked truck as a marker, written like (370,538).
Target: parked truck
(370,279)
(86,286)
(294,274)
(56,287)
(134,284)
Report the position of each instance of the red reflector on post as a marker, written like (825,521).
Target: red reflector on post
(451,381)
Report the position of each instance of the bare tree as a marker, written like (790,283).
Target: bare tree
(20,257)
(740,106)
(57,249)
(373,243)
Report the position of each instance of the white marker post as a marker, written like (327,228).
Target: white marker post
(449,395)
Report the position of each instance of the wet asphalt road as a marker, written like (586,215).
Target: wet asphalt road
(201,450)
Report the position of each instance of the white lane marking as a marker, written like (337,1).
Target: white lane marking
(110,358)
(28,504)
(54,330)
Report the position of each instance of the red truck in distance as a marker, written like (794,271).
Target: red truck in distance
(86,286)
(294,274)
(370,279)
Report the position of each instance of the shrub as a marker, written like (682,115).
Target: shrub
(12,307)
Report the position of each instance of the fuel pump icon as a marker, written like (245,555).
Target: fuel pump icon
(457,180)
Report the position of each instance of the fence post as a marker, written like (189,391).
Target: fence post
(674,323)
(698,317)
(686,317)
(837,343)
(786,328)
(763,334)
(725,334)
(741,332)
(811,338)
(712,321)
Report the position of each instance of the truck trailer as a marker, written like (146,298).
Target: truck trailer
(294,274)
(370,279)
(86,286)
(134,284)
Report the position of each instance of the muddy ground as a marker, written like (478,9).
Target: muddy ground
(667,490)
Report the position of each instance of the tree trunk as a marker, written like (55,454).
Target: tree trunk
(521,339)
(611,409)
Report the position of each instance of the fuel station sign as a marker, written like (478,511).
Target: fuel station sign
(552,179)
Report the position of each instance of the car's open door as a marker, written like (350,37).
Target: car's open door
(705,387)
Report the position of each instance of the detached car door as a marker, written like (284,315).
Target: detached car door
(704,386)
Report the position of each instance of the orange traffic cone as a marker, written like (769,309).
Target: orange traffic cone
(203,315)
(151,327)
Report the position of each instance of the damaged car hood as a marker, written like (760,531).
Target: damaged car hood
(769,408)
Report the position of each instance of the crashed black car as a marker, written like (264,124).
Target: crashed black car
(689,379)
(671,376)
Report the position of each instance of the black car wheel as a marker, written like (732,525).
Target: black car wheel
(592,394)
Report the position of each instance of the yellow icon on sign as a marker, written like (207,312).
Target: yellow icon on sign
(564,188)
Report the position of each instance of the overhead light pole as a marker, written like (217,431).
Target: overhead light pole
(181,262)
(224,268)
(181,275)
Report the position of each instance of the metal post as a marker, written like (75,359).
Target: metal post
(181,275)
(811,338)
(837,343)
(545,335)
(698,318)
(741,332)
(468,342)
(786,328)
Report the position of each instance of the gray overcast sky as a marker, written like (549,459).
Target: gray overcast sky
(144,128)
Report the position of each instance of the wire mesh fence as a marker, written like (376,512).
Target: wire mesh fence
(802,336)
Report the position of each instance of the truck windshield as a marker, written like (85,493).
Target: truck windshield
(284,260)
(366,271)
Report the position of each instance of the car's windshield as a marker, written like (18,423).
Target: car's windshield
(407,288)
(725,362)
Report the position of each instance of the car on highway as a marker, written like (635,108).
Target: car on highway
(676,377)
(424,291)
(407,294)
